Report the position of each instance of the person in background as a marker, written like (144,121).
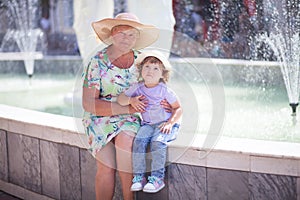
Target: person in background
(158,126)
(45,23)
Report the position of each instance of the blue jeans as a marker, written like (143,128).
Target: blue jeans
(150,134)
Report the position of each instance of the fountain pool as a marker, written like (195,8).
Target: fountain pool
(43,93)
(256,111)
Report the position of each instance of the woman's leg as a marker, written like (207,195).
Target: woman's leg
(123,145)
(105,176)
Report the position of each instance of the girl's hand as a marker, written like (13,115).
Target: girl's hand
(165,127)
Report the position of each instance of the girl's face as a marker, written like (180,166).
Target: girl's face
(124,37)
(151,73)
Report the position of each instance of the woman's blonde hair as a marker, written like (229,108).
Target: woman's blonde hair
(154,60)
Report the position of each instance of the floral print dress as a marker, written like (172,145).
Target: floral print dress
(101,74)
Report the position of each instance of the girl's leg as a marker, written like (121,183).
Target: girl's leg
(105,176)
(123,145)
(159,156)
(156,180)
(140,144)
(158,148)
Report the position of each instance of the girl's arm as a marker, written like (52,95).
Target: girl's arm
(91,103)
(175,117)
(136,102)
(123,100)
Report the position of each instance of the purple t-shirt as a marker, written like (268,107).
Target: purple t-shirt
(154,112)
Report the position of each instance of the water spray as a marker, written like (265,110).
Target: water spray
(294,108)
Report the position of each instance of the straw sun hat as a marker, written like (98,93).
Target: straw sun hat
(148,33)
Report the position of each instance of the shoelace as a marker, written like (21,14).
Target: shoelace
(153,179)
(137,179)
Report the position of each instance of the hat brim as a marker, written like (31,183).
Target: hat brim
(148,34)
(154,53)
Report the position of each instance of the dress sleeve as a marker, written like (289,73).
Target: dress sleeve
(91,75)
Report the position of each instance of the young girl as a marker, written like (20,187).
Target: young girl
(158,126)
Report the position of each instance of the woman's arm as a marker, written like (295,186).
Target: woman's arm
(91,103)
(176,113)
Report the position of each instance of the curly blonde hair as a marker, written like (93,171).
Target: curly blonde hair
(153,60)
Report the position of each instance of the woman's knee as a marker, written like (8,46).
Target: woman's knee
(123,144)
(103,169)
(124,140)
(106,157)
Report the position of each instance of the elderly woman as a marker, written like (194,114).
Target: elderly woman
(110,128)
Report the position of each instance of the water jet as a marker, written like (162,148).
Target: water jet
(24,33)
(283,39)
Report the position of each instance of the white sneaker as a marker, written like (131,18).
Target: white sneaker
(138,183)
(154,185)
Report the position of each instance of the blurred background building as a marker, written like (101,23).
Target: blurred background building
(222,28)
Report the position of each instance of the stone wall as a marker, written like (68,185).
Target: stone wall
(33,168)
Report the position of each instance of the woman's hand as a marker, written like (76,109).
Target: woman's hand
(164,103)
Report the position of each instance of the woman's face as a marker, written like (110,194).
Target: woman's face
(124,37)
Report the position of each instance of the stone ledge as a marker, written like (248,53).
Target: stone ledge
(21,192)
(250,155)
(21,56)
(50,127)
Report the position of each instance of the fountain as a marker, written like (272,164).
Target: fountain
(43,155)
(283,39)
(25,33)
